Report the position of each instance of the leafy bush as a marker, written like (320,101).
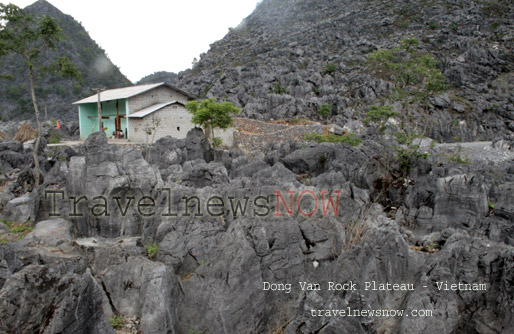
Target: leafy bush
(415,72)
(433,25)
(17,231)
(217,141)
(407,150)
(152,247)
(278,88)
(379,113)
(324,110)
(329,69)
(116,321)
(20,228)
(349,138)
(55,137)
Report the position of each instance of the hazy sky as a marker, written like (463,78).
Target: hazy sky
(142,37)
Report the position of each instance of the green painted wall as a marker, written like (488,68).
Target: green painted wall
(89,125)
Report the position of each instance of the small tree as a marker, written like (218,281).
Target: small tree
(380,115)
(28,36)
(151,129)
(324,111)
(210,114)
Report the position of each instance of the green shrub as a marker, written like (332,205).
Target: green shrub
(116,321)
(55,137)
(324,110)
(278,88)
(17,231)
(21,229)
(407,150)
(349,138)
(217,141)
(54,140)
(415,72)
(152,247)
(297,120)
(379,113)
(433,25)
(329,69)
(195,331)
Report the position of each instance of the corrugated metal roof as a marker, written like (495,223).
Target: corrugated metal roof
(126,92)
(147,111)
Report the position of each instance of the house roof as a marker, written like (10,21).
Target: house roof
(147,111)
(126,92)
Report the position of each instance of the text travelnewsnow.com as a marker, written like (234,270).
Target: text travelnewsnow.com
(280,204)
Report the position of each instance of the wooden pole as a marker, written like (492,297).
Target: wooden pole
(99,106)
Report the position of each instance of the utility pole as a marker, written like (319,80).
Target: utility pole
(98,90)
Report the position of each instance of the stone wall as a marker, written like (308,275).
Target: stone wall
(174,119)
(253,135)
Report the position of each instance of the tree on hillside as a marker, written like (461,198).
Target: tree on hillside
(417,77)
(416,73)
(29,37)
(210,114)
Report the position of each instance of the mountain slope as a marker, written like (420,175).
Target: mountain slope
(156,77)
(54,92)
(289,57)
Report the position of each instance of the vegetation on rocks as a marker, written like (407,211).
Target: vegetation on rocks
(393,209)
(416,73)
(55,92)
(347,138)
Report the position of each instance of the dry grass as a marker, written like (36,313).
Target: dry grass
(281,328)
(428,249)
(283,319)
(25,133)
(356,230)
(3,135)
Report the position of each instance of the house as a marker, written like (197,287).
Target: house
(141,112)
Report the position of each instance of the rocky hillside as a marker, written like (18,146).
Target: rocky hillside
(288,58)
(54,92)
(157,77)
(378,230)
(409,243)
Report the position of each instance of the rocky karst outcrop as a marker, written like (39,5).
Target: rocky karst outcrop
(177,272)
(290,57)
(179,237)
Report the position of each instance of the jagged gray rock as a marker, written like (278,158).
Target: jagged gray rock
(288,58)
(52,232)
(442,218)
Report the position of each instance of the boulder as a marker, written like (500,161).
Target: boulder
(21,209)
(95,141)
(197,145)
(52,232)
(66,303)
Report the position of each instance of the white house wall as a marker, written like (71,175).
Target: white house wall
(226,136)
(158,95)
(174,119)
